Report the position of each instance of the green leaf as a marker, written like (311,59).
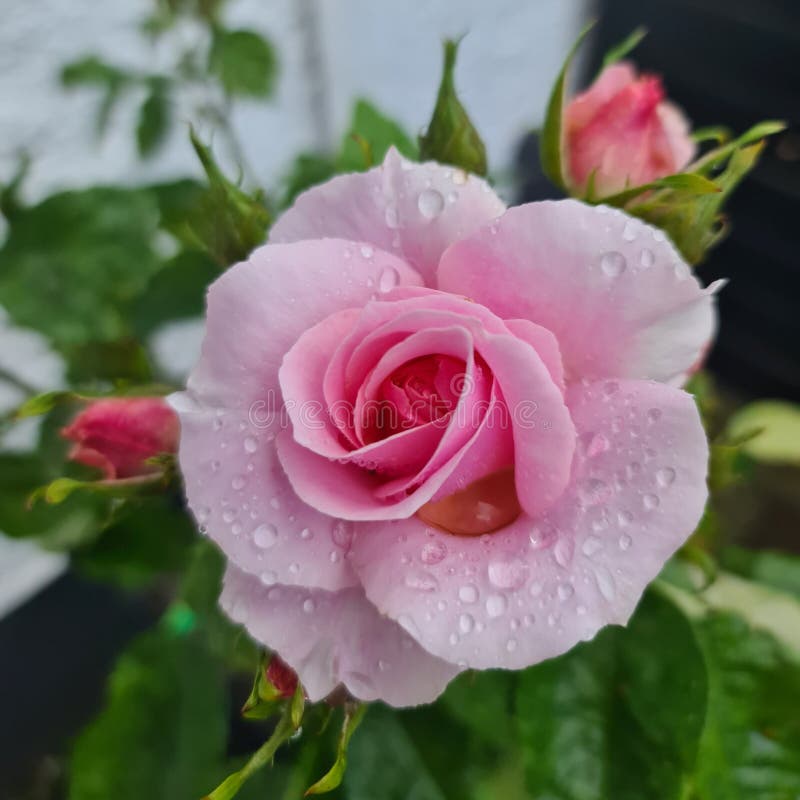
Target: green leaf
(150,538)
(154,119)
(244,61)
(619,717)
(778,570)
(77,521)
(353,714)
(93,71)
(618,52)
(685,182)
(483,702)
(176,292)
(370,135)
(75,283)
(308,169)
(163,731)
(716,133)
(750,748)
(550,140)
(451,138)
(228,223)
(775,429)
(384,763)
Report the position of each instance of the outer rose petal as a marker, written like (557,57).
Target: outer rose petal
(678,132)
(413,210)
(536,588)
(333,638)
(259,307)
(611,80)
(239,493)
(603,282)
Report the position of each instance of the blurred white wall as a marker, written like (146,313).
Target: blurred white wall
(330,52)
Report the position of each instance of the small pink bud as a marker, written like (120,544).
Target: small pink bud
(624,131)
(282,676)
(117,435)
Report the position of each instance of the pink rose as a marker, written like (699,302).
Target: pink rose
(430,433)
(117,435)
(622,129)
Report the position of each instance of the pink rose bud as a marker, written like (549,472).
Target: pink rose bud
(282,676)
(624,131)
(117,435)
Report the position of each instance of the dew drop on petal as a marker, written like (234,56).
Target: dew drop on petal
(468,593)
(309,605)
(665,477)
(613,263)
(466,623)
(342,533)
(430,203)
(421,581)
(510,574)
(625,541)
(496,605)
(366,251)
(388,279)
(647,259)
(650,501)
(264,536)
(591,545)
(250,444)
(433,552)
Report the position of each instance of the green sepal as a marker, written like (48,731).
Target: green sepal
(264,700)
(60,489)
(229,223)
(619,51)
(353,714)
(550,139)
(451,138)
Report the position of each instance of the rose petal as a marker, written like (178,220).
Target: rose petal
(534,589)
(259,308)
(239,494)
(413,210)
(602,282)
(336,638)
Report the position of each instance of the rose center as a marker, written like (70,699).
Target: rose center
(420,391)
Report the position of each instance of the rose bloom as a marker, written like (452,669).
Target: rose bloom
(118,434)
(624,131)
(430,433)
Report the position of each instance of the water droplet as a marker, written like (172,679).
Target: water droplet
(682,271)
(597,444)
(665,477)
(650,501)
(388,279)
(591,545)
(309,605)
(613,263)
(202,513)
(275,503)
(452,197)
(605,583)
(430,203)
(334,556)
(466,623)
(392,220)
(421,581)
(511,645)
(237,484)
(250,444)
(647,259)
(342,533)
(468,594)
(217,424)
(228,515)
(264,536)
(306,533)
(624,518)
(594,491)
(541,535)
(610,388)
(653,415)
(433,552)
(563,551)
(294,568)
(367,251)
(383,665)
(565,591)
(625,541)
(629,231)
(269,577)
(496,605)
(508,574)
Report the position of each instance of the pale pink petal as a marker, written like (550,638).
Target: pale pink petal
(601,281)
(534,589)
(336,638)
(239,495)
(543,342)
(544,436)
(413,210)
(259,308)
